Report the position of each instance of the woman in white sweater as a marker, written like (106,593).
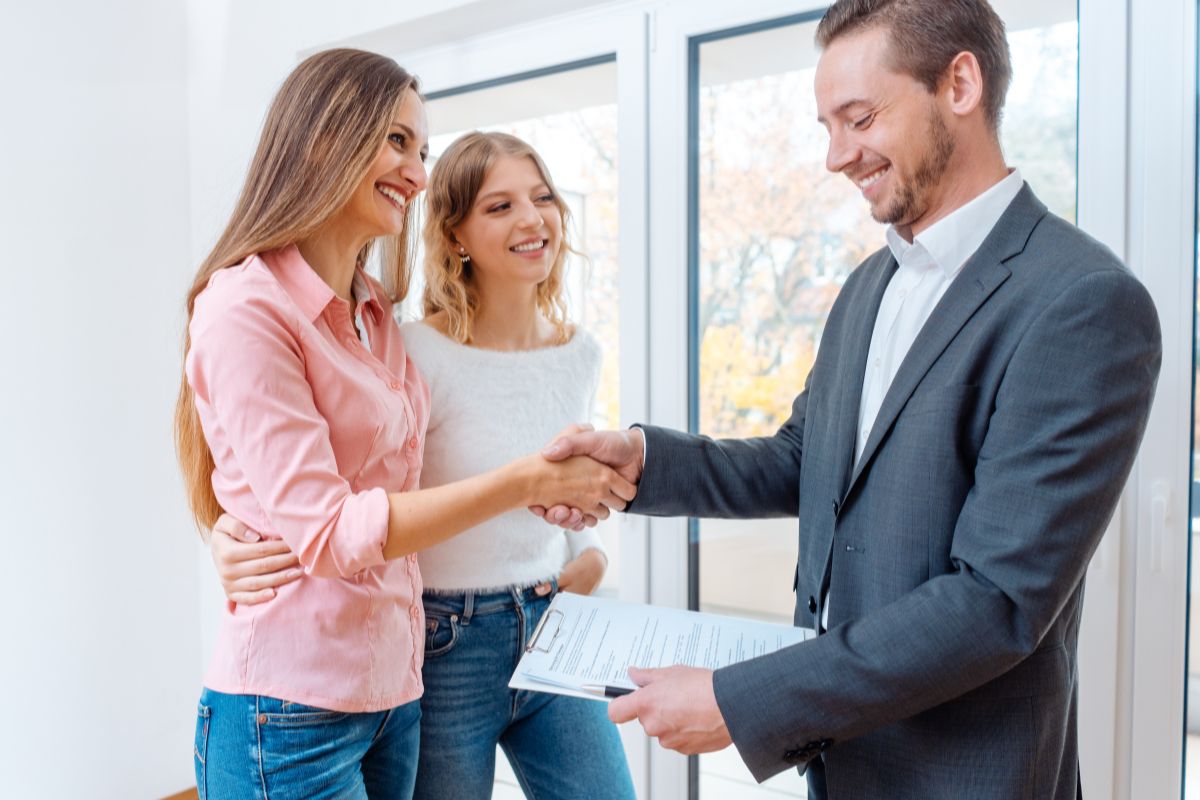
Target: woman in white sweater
(507,373)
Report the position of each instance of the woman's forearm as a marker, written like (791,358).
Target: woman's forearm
(427,516)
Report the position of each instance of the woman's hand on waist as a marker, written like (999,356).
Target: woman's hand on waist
(250,569)
(582,574)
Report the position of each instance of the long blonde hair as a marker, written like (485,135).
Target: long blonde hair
(454,184)
(322,132)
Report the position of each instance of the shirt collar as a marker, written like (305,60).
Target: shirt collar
(952,240)
(309,291)
(366,294)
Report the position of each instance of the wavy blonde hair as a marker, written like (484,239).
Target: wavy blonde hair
(454,184)
(321,135)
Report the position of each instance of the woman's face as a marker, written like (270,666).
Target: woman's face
(396,176)
(513,231)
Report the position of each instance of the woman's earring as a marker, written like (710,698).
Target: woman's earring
(464,258)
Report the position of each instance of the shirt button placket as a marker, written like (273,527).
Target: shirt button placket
(414,610)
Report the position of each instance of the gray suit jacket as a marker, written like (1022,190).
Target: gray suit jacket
(956,546)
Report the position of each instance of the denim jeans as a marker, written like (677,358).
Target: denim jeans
(250,747)
(560,748)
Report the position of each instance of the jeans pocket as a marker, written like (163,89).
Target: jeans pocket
(293,715)
(441,634)
(200,749)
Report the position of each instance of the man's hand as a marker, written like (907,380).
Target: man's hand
(677,706)
(583,574)
(250,569)
(624,451)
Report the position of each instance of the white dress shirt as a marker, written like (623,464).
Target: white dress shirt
(926,269)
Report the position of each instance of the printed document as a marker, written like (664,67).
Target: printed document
(584,640)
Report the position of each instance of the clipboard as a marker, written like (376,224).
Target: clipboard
(583,640)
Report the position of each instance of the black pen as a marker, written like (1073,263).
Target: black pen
(606,691)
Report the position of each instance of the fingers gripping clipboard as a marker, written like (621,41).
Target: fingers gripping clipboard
(584,640)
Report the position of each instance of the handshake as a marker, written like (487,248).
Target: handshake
(585,474)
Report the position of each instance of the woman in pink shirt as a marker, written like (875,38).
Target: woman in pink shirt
(302,415)
(495,342)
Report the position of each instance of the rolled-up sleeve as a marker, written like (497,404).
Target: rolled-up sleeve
(579,542)
(246,367)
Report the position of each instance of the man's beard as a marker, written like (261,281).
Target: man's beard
(912,195)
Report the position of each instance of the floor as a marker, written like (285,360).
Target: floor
(722,777)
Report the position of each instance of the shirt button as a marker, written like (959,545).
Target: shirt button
(395,385)
(878,361)
(412,443)
(415,611)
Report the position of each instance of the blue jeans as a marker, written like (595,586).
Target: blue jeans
(560,748)
(250,747)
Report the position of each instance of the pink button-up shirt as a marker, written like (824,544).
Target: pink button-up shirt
(310,430)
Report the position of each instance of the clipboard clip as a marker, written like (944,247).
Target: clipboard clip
(535,641)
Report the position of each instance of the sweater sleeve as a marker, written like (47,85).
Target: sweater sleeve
(586,539)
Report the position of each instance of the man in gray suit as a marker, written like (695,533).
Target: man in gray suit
(980,392)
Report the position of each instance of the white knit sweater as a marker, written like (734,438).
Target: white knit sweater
(489,407)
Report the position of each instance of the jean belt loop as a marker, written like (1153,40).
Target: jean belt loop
(468,606)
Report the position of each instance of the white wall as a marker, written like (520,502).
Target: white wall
(100,656)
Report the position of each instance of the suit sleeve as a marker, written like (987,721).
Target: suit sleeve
(1069,416)
(690,475)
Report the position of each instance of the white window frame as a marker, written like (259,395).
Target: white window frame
(1160,247)
(1101,212)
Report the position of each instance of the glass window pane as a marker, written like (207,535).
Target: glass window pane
(777,237)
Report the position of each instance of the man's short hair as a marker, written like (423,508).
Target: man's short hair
(924,36)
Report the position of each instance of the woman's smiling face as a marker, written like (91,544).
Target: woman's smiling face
(514,229)
(380,204)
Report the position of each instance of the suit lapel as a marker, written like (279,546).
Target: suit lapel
(853,364)
(983,273)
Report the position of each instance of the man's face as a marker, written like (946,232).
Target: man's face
(887,132)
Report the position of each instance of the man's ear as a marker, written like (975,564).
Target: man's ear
(962,85)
